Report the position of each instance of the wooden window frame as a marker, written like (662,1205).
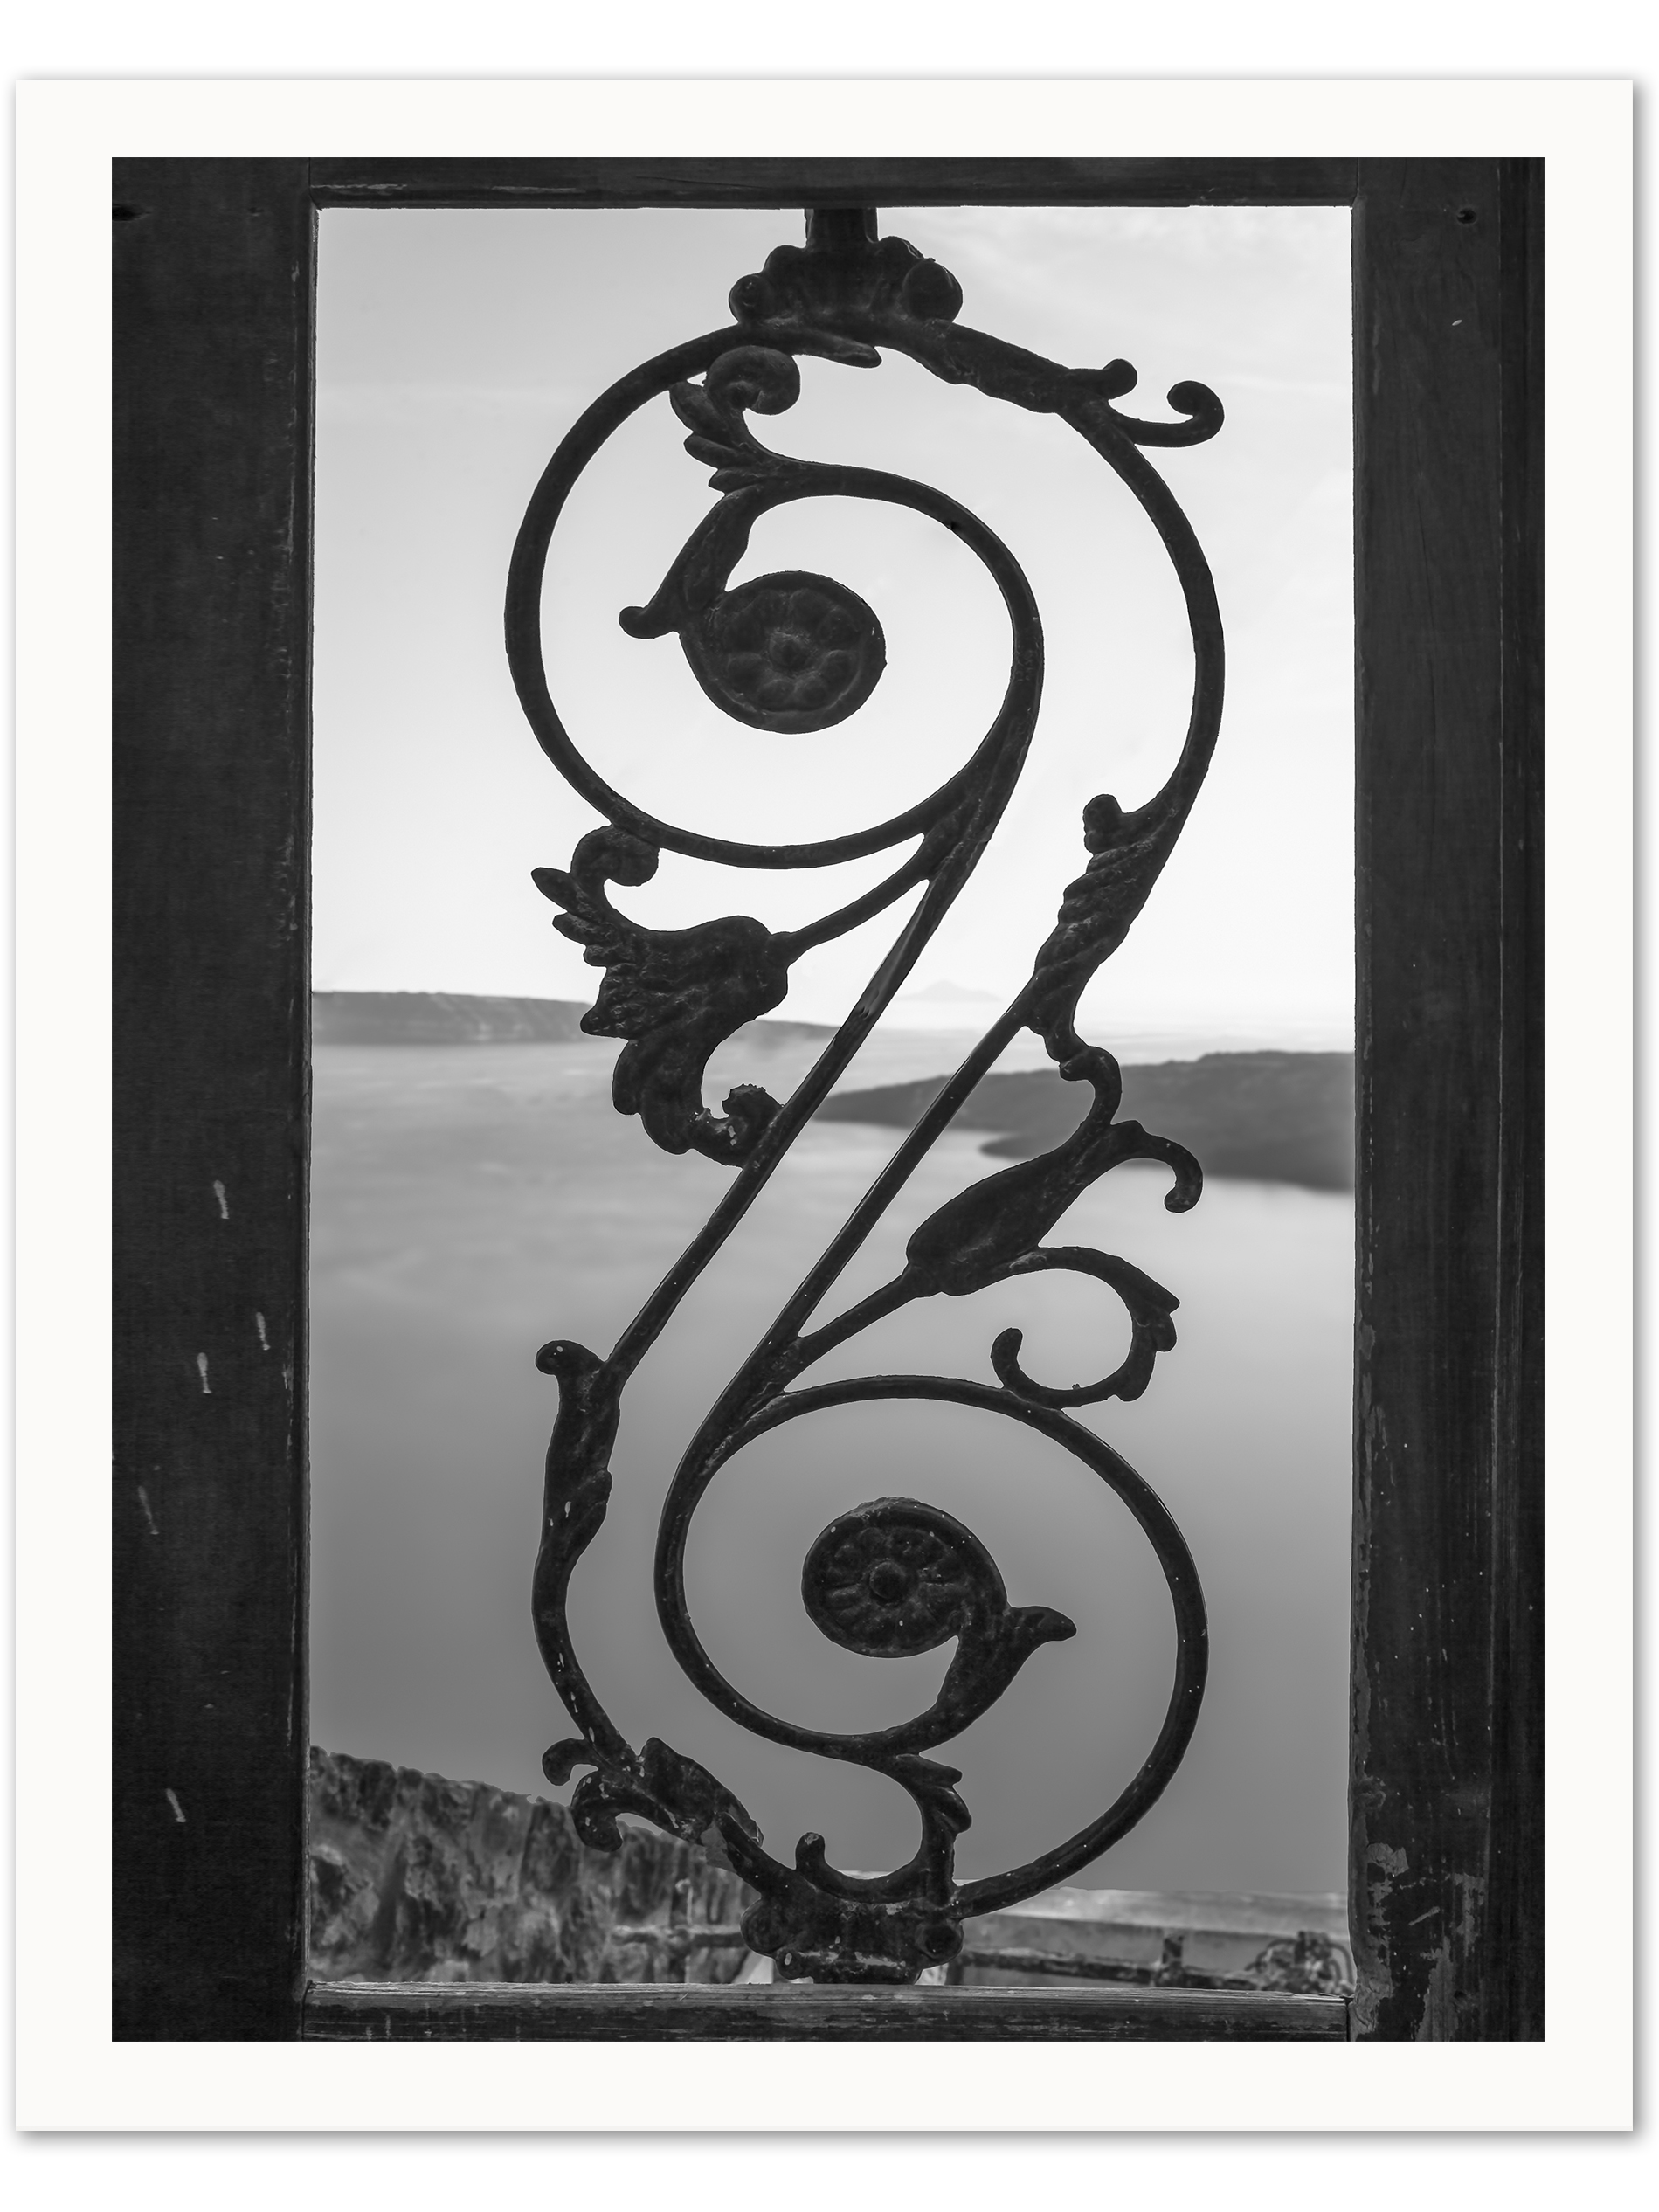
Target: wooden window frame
(214,301)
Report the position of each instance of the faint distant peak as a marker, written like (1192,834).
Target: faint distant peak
(955,993)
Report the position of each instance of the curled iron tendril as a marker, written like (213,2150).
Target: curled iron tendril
(793,652)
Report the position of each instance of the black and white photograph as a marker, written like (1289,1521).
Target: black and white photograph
(828,1071)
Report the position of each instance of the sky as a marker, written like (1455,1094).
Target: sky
(455,350)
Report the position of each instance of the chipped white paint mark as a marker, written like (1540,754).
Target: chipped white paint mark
(218,1193)
(259,1323)
(1384,1864)
(1452,1959)
(200,1369)
(149,1518)
(178,1810)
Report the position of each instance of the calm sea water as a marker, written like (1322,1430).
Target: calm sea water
(470,1202)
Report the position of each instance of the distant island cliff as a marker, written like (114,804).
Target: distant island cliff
(468,1018)
(1272,1116)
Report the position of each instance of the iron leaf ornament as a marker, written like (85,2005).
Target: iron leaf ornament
(793,653)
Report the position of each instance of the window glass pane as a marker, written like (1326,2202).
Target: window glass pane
(474,1193)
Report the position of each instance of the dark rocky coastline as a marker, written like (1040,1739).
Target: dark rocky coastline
(1269,1117)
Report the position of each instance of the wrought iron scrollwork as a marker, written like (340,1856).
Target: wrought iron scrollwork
(794,652)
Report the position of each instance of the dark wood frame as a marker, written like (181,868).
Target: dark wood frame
(214,281)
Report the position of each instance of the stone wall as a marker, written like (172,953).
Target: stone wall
(415,1878)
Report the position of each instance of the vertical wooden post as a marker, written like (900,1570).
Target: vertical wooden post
(1445,1869)
(213,294)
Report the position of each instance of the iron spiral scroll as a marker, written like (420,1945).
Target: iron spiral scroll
(795,651)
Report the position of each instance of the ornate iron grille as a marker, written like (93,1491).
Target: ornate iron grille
(796,651)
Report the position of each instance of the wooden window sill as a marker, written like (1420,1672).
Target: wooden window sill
(523,2011)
